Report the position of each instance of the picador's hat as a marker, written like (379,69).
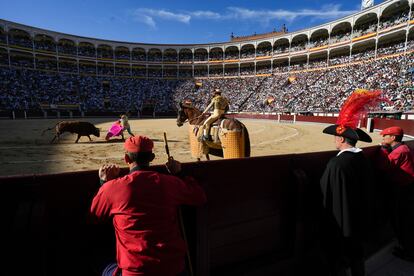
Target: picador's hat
(187,103)
(356,104)
(394,130)
(216,91)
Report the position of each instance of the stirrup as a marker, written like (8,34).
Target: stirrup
(206,138)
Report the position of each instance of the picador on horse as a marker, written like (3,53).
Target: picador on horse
(221,106)
(229,139)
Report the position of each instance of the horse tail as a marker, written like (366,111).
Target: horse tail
(246,141)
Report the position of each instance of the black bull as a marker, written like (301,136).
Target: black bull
(80,128)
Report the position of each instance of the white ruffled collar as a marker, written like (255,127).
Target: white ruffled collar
(353,149)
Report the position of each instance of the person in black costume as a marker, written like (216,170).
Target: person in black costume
(344,185)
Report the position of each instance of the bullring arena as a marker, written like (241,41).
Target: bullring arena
(26,151)
(262,215)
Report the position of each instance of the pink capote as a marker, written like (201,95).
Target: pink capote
(115,130)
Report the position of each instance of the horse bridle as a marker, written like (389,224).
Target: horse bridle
(183,122)
(188,119)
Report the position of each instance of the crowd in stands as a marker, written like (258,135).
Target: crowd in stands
(117,88)
(386,49)
(21,41)
(231,55)
(216,55)
(246,53)
(281,49)
(318,63)
(103,86)
(318,42)
(185,57)
(87,51)
(321,90)
(325,90)
(44,45)
(104,53)
(103,67)
(200,56)
(66,49)
(365,29)
(341,36)
(298,47)
(27,89)
(264,52)
(135,56)
(394,20)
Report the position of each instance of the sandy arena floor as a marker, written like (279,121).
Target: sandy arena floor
(25,151)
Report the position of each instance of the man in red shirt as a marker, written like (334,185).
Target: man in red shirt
(401,170)
(143,208)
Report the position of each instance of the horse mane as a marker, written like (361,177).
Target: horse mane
(201,118)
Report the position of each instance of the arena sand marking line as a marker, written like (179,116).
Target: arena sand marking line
(262,129)
(265,127)
(280,139)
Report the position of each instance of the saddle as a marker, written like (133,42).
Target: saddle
(217,122)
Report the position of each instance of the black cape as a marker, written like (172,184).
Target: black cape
(345,185)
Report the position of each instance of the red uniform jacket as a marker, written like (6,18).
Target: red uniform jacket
(401,164)
(143,207)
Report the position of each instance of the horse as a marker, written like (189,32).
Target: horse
(230,136)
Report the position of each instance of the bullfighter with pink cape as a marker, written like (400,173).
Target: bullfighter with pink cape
(115,130)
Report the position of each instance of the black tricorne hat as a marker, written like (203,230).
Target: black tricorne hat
(355,134)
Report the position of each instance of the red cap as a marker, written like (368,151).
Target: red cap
(138,144)
(392,131)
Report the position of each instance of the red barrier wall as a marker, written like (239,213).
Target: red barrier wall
(253,116)
(316,119)
(407,125)
(299,118)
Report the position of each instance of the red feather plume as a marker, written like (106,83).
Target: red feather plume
(356,104)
